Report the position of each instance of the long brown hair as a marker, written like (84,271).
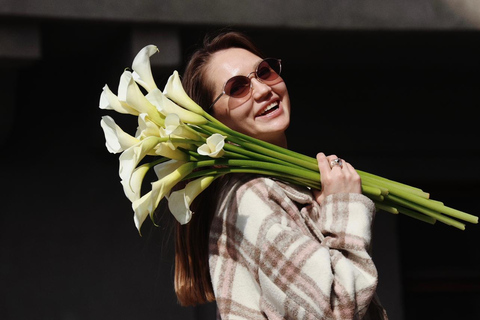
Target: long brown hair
(192,274)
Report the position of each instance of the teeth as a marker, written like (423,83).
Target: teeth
(270,106)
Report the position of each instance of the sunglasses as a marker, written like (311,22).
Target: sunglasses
(267,72)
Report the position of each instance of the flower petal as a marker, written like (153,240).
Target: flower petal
(165,149)
(165,184)
(172,122)
(142,68)
(175,91)
(146,127)
(167,106)
(133,187)
(116,139)
(109,101)
(174,127)
(130,158)
(133,96)
(179,207)
(144,206)
(179,201)
(165,168)
(140,208)
(213,146)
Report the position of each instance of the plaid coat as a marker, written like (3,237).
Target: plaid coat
(274,253)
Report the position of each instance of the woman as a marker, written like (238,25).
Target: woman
(260,247)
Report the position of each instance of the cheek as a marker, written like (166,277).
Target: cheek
(236,119)
(286,99)
(281,90)
(222,114)
(284,91)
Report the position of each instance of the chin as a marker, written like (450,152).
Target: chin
(274,136)
(279,126)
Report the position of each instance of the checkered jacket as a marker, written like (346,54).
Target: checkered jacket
(274,253)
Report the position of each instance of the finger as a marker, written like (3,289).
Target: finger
(348,168)
(323,164)
(318,194)
(351,170)
(331,157)
(335,161)
(353,176)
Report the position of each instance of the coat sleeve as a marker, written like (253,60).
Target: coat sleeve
(332,279)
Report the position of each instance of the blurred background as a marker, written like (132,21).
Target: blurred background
(391,86)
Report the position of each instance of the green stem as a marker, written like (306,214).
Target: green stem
(264,147)
(425,210)
(219,125)
(387,208)
(281,176)
(371,190)
(386,183)
(292,171)
(433,205)
(255,155)
(368,183)
(416,215)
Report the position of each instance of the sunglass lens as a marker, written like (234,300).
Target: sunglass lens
(268,69)
(237,87)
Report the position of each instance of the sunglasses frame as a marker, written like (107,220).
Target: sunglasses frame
(279,61)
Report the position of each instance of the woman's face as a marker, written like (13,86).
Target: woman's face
(266,112)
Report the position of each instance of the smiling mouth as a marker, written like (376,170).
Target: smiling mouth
(269,109)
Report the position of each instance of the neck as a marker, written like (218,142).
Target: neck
(280,141)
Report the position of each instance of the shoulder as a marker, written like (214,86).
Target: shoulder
(246,182)
(247,194)
(241,190)
(238,186)
(252,204)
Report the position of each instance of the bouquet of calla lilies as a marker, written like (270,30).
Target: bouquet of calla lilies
(188,144)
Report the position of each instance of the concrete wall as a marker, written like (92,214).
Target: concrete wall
(340,14)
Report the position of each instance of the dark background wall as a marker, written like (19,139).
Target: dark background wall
(392,89)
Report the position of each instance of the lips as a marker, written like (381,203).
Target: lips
(271,107)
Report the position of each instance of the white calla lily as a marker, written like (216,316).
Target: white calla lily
(174,126)
(133,187)
(169,173)
(175,91)
(131,157)
(147,128)
(213,146)
(179,201)
(116,139)
(129,92)
(140,209)
(165,168)
(167,179)
(168,150)
(142,206)
(169,143)
(167,106)
(142,68)
(179,206)
(109,101)
(172,123)
(125,78)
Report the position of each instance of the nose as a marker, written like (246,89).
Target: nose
(260,89)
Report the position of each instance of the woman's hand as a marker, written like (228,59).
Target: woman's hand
(336,178)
